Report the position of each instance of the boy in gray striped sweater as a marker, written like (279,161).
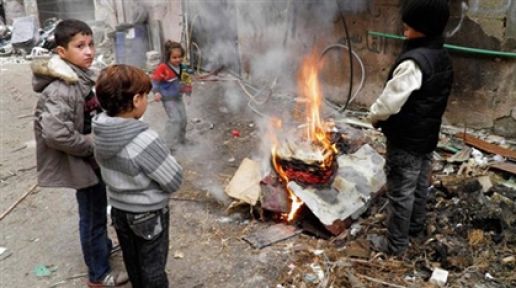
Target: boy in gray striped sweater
(139,173)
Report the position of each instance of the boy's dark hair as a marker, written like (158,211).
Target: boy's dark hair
(68,28)
(169,46)
(117,85)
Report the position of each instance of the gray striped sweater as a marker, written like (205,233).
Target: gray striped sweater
(136,166)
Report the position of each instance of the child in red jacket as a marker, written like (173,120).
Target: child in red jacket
(169,89)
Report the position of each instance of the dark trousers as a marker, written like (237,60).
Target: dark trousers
(95,244)
(407,184)
(144,241)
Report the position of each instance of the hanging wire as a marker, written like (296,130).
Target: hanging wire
(348,40)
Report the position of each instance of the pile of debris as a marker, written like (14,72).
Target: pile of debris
(469,239)
(326,181)
(330,188)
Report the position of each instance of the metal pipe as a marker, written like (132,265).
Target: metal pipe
(452,47)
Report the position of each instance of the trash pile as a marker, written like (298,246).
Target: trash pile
(25,40)
(469,239)
(298,182)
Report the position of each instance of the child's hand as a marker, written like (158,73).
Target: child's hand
(157,97)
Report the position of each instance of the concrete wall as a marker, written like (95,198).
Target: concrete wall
(274,35)
(77,9)
(163,17)
(13,9)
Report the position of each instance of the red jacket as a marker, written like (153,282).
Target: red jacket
(164,73)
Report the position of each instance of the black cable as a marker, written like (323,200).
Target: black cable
(348,40)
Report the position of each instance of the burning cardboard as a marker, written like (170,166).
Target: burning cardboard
(360,175)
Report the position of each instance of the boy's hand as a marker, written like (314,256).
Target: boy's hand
(157,97)
(375,123)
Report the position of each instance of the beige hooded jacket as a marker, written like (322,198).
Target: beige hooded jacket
(63,153)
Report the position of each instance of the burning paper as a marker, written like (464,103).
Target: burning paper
(359,175)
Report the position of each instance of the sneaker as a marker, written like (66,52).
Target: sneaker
(379,243)
(112,279)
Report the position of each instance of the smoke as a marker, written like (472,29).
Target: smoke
(233,96)
(263,42)
(209,166)
(215,190)
(268,36)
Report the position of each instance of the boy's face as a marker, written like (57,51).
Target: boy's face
(80,51)
(175,57)
(411,33)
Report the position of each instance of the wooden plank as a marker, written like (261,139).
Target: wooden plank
(487,147)
(505,166)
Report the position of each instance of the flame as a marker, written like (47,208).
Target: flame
(310,89)
(296,203)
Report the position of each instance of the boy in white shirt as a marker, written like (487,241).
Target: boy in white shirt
(409,112)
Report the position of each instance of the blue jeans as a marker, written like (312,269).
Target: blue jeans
(144,241)
(407,183)
(95,244)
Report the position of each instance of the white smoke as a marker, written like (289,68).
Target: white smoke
(262,42)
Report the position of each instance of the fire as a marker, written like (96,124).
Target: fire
(310,87)
(296,203)
(316,135)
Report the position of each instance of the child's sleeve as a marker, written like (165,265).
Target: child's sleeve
(58,129)
(157,163)
(157,76)
(407,77)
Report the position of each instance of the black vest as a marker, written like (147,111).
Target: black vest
(416,127)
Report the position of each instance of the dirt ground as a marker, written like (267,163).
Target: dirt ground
(206,249)
(206,242)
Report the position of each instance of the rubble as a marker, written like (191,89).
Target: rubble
(469,240)
(488,147)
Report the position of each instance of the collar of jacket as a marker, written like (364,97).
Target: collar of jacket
(435,42)
(54,67)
